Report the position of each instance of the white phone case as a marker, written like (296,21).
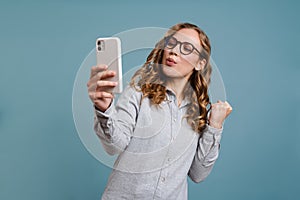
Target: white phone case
(108,52)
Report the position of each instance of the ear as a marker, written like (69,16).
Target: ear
(200,65)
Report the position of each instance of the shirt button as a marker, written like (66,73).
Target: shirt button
(163,179)
(169,159)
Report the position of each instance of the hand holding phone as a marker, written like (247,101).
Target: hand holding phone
(106,77)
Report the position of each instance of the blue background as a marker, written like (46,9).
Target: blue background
(254,43)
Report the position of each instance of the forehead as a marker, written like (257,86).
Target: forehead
(188,35)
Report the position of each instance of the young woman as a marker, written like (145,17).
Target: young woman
(163,127)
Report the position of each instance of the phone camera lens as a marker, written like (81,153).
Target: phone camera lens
(100,45)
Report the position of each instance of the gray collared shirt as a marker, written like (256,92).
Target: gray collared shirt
(157,149)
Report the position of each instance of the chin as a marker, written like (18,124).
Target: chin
(170,72)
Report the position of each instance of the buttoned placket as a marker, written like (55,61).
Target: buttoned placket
(174,127)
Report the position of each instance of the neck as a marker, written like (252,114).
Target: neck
(177,86)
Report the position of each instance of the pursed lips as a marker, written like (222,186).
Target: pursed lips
(170,62)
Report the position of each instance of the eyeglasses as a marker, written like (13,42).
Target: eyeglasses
(186,48)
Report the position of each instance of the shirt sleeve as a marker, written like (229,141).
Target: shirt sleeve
(115,126)
(206,154)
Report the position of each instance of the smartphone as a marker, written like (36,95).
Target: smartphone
(108,52)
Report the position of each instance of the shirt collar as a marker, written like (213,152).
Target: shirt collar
(171,97)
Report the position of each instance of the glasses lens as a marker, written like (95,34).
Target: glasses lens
(186,48)
(171,42)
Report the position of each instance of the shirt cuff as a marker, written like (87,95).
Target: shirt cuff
(214,131)
(213,134)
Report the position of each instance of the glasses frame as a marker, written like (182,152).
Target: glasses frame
(166,41)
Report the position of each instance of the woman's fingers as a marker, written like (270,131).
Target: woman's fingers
(222,105)
(101,95)
(219,111)
(101,76)
(101,89)
(106,84)
(97,69)
(99,86)
(228,107)
(98,82)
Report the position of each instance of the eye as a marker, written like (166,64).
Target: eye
(187,47)
(172,42)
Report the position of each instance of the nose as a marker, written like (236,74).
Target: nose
(172,52)
(175,50)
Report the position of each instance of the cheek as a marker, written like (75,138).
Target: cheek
(190,61)
(165,54)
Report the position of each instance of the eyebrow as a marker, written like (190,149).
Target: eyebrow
(191,42)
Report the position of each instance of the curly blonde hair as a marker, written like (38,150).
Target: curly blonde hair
(150,81)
